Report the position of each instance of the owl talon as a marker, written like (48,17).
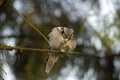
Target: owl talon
(62,50)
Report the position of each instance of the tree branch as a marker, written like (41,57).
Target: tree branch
(5,47)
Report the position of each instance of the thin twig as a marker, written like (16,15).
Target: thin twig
(30,24)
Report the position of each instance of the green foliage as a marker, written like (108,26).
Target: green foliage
(107,41)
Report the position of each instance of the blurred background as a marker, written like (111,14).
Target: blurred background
(97,27)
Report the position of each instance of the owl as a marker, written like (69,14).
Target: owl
(60,38)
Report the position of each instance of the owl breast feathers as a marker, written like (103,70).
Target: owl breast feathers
(62,38)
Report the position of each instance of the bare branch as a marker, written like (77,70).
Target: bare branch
(9,48)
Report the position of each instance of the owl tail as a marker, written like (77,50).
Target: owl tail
(52,59)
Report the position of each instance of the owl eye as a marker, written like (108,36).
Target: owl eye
(62,30)
(63,33)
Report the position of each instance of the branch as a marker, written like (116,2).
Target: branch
(30,24)
(5,47)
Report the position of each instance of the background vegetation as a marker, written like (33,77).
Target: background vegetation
(97,26)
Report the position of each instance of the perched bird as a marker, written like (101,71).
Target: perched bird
(60,38)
